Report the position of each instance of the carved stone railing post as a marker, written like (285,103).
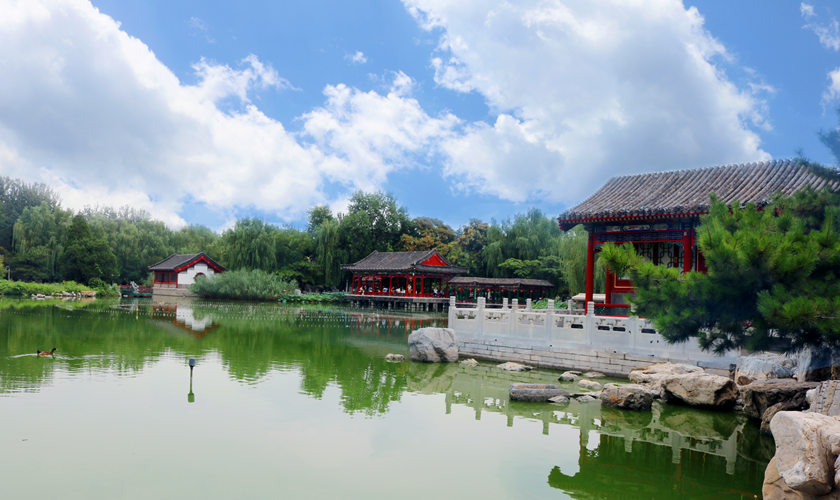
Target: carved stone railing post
(549,320)
(479,315)
(512,318)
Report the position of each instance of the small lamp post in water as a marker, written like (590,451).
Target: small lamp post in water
(191,396)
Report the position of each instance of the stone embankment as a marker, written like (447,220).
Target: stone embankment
(770,388)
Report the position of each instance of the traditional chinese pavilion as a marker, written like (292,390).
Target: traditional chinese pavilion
(495,290)
(659,212)
(411,276)
(179,271)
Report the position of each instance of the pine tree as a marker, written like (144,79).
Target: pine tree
(772,277)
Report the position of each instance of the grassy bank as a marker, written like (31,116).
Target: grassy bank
(26,289)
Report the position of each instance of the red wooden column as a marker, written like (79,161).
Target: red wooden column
(688,239)
(590,270)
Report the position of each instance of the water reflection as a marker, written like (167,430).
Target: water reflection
(669,452)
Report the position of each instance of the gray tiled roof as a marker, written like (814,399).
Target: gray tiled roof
(175,261)
(687,191)
(521,282)
(402,262)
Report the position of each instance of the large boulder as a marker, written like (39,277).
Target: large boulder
(759,396)
(433,345)
(536,392)
(700,389)
(807,445)
(775,488)
(628,397)
(760,366)
(654,374)
(825,398)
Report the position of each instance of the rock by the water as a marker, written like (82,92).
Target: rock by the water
(771,412)
(394,357)
(469,362)
(593,375)
(700,389)
(568,376)
(759,396)
(586,398)
(654,374)
(589,384)
(807,445)
(760,366)
(629,397)
(513,367)
(775,488)
(433,345)
(825,398)
(559,400)
(535,392)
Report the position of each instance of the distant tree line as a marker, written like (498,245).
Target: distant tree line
(40,241)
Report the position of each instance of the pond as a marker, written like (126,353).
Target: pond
(298,402)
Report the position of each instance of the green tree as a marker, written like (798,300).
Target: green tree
(15,197)
(373,221)
(772,277)
(249,245)
(85,256)
(37,242)
(428,234)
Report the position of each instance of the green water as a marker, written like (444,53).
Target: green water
(298,402)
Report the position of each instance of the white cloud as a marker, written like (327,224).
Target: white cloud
(374,132)
(356,58)
(199,27)
(832,93)
(827,32)
(586,90)
(92,111)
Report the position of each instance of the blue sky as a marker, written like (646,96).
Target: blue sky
(207,111)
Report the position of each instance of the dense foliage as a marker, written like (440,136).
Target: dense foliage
(44,242)
(772,277)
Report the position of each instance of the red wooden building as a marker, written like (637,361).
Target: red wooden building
(659,212)
(180,271)
(402,275)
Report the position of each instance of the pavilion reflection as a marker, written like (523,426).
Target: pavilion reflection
(710,442)
(181,313)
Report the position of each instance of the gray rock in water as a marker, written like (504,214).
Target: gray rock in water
(700,389)
(759,396)
(535,392)
(394,357)
(513,367)
(589,384)
(628,397)
(568,376)
(433,345)
(594,375)
(586,398)
(559,400)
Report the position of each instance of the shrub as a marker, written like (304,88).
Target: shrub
(24,288)
(244,285)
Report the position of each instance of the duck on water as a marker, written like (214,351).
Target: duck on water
(46,353)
